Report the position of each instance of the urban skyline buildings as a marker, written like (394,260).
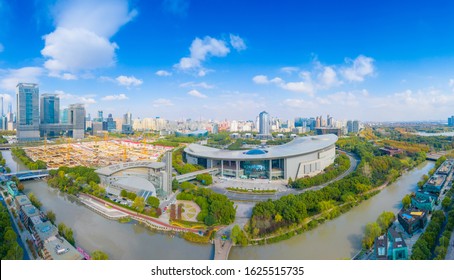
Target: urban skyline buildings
(27,110)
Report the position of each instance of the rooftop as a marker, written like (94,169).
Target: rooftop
(298,146)
(46,230)
(30,210)
(412,214)
(135,184)
(22,200)
(111,169)
(60,249)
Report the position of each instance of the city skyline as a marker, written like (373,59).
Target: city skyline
(180,59)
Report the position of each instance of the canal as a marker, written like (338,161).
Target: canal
(339,238)
(336,239)
(120,241)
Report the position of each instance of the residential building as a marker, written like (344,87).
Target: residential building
(412,219)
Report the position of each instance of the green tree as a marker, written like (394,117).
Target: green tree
(34,200)
(373,230)
(210,220)
(175,185)
(153,201)
(446,202)
(51,216)
(61,229)
(99,255)
(123,193)
(69,235)
(139,204)
(406,201)
(385,220)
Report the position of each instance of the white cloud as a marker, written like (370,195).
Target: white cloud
(81,38)
(6,97)
(128,81)
(237,43)
(303,87)
(11,77)
(328,78)
(72,98)
(200,50)
(451,84)
(68,76)
(163,73)
(120,96)
(359,68)
(193,84)
(263,80)
(1,48)
(289,69)
(197,94)
(77,49)
(87,100)
(162,102)
(298,103)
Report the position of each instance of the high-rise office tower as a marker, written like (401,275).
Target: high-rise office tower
(27,96)
(50,108)
(264,123)
(76,117)
(100,116)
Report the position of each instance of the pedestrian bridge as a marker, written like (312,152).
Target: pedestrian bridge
(192,175)
(25,175)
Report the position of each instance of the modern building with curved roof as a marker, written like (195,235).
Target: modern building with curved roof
(303,156)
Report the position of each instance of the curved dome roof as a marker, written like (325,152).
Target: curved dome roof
(255,152)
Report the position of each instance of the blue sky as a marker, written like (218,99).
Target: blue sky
(213,59)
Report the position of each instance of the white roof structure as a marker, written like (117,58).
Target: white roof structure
(111,169)
(298,146)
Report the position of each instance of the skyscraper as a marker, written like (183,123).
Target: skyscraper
(50,108)
(264,123)
(27,96)
(100,116)
(76,117)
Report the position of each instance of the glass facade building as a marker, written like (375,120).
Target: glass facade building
(27,96)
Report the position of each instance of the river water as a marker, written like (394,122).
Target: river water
(435,134)
(336,239)
(119,241)
(339,238)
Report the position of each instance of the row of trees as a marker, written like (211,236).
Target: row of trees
(180,166)
(66,232)
(76,179)
(34,200)
(424,246)
(205,179)
(9,248)
(340,165)
(238,144)
(215,208)
(290,211)
(22,156)
(239,236)
(379,227)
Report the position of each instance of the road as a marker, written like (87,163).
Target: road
(354,160)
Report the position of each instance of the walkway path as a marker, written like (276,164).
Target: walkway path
(157,223)
(450,253)
(354,160)
(222,249)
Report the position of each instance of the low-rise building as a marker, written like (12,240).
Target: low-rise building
(412,219)
(21,200)
(12,188)
(391,151)
(423,200)
(397,249)
(434,184)
(57,248)
(381,247)
(30,216)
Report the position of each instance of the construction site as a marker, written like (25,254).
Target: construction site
(96,153)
